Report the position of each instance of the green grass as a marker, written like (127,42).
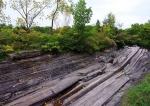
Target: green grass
(138,95)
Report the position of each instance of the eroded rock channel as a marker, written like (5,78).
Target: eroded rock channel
(72,79)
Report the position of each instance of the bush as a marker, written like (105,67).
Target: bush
(6,37)
(19,31)
(97,42)
(64,39)
(42,29)
(27,41)
(17,39)
(123,39)
(62,30)
(52,47)
(50,44)
(138,95)
(139,35)
(4,26)
(69,41)
(89,42)
(8,49)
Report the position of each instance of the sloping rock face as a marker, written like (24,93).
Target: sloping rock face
(135,72)
(19,78)
(72,79)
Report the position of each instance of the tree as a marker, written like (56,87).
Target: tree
(1,6)
(59,6)
(81,15)
(146,31)
(2,15)
(98,26)
(54,14)
(29,10)
(109,25)
(135,29)
(110,20)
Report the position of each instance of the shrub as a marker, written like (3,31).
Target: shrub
(62,30)
(50,44)
(89,42)
(42,29)
(69,41)
(19,31)
(52,47)
(6,37)
(139,35)
(4,26)
(8,49)
(98,42)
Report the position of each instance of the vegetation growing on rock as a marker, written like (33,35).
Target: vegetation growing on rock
(138,95)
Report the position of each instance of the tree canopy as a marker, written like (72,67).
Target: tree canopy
(82,15)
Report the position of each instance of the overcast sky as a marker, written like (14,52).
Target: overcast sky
(127,12)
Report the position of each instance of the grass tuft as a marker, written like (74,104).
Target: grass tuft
(138,95)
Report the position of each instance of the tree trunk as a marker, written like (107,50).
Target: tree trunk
(53,17)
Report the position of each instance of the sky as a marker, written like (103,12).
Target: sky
(127,12)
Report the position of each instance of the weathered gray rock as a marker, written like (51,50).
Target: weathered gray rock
(42,77)
(24,55)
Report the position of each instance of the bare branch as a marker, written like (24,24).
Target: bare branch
(29,10)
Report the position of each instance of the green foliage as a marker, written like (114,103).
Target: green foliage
(8,49)
(109,26)
(51,44)
(81,38)
(62,30)
(4,26)
(97,42)
(19,39)
(64,39)
(6,37)
(19,31)
(145,32)
(138,95)
(135,29)
(68,41)
(110,20)
(82,16)
(89,42)
(139,35)
(41,29)
(52,47)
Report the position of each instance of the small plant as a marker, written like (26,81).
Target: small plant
(52,47)
(138,95)
(8,49)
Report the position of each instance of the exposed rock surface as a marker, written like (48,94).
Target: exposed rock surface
(72,79)
(25,54)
